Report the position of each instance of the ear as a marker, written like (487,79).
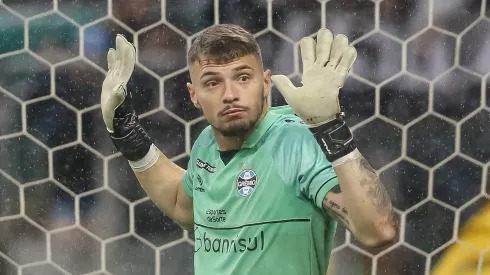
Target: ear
(192,93)
(267,83)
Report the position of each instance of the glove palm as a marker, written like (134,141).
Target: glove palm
(326,65)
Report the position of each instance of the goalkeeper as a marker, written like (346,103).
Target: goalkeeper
(264,188)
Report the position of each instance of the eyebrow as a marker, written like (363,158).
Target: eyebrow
(242,67)
(239,68)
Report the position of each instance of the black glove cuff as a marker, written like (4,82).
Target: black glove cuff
(135,145)
(129,137)
(335,138)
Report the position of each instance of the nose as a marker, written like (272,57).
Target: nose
(230,93)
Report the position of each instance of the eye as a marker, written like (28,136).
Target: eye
(243,78)
(211,83)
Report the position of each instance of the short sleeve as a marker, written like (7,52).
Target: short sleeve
(187,179)
(282,110)
(301,161)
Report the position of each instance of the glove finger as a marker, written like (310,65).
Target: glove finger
(119,46)
(284,86)
(340,43)
(307,47)
(111,59)
(324,40)
(128,61)
(348,58)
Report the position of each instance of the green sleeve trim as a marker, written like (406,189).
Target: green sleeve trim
(324,189)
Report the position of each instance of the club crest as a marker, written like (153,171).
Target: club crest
(246,182)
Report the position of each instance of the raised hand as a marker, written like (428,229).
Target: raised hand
(326,65)
(121,63)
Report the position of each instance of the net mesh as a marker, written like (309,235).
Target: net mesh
(69,203)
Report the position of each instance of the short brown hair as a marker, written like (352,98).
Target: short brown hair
(223,43)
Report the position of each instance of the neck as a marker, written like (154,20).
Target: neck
(226,143)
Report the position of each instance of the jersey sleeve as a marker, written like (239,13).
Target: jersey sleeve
(301,161)
(283,110)
(187,183)
(187,179)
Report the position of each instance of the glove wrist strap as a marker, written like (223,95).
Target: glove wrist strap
(335,138)
(147,161)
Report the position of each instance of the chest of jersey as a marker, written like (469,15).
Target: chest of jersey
(253,213)
(247,216)
(246,190)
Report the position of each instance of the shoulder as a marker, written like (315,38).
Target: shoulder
(205,139)
(203,145)
(289,128)
(288,122)
(200,147)
(289,140)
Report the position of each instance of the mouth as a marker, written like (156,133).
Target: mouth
(233,112)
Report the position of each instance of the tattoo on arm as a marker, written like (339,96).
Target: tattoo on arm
(334,205)
(375,189)
(338,214)
(345,211)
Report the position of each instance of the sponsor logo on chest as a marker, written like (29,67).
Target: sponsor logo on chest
(206,166)
(203,242)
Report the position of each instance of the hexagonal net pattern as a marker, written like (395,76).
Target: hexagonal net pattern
(417,101)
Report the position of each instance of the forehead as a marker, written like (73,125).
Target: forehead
(205,64)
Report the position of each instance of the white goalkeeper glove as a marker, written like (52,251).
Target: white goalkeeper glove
(326,65)
(120,63)
(118,113)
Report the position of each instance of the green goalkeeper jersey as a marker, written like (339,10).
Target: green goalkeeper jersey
(261,213)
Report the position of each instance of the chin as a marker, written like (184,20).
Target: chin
(238,127)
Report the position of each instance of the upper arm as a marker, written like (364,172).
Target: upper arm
(184,211)
(163,185)
(184,204)
(185,194)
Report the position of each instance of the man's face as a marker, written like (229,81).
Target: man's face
(232,96)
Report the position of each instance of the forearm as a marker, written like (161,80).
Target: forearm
(366,200)
(161,182)
(368,211)
(160,177)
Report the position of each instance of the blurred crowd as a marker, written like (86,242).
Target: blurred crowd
(395,39)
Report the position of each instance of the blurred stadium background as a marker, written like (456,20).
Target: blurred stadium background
(418,102)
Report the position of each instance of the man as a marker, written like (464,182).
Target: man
(263,188)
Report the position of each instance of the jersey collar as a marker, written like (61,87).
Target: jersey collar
(261,129)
